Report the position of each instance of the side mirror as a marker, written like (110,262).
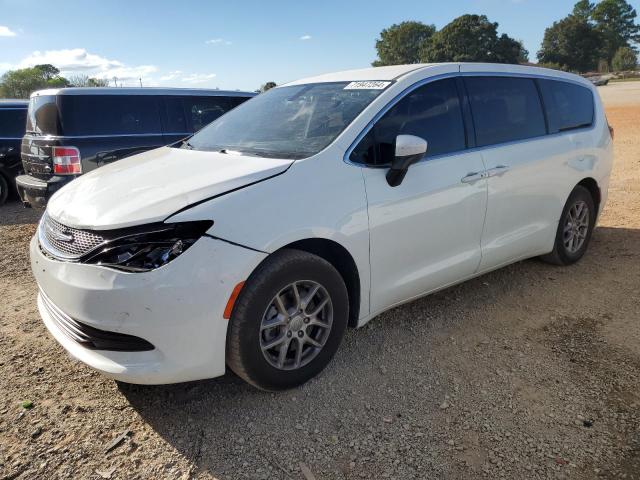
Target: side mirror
(409,150)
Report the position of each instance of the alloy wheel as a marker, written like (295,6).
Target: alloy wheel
(576,227)
(296,325)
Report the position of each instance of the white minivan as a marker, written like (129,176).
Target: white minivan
(313,207)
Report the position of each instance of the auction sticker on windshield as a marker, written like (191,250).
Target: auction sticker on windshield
(368,85)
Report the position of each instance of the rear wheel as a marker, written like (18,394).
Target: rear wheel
(4,189)
(574,229)
(288,321)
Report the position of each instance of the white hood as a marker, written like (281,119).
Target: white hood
(151,186)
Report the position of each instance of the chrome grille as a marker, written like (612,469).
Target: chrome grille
(65,242)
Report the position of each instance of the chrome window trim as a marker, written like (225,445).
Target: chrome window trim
(10,138)
(442,76)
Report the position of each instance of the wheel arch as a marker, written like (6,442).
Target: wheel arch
(338,256)
(594,189)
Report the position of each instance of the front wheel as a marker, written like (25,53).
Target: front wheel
(574,229)
(288,321)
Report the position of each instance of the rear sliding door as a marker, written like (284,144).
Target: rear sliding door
(522,164)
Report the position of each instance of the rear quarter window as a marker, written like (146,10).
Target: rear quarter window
(87,115)
(505,109)
(569,106)
(12,122)
(44,115)
(184,114)
(204,110)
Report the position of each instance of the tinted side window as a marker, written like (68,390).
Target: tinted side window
(431,112)
(175,116)
(110,114)
(235,101)
(204,110)
(12,122)
(505,109)
(568,105)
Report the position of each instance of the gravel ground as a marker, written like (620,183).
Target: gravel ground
(529,372)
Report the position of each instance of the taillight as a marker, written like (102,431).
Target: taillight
(611,131)
(66,161)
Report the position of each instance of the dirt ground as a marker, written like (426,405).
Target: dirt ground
(529,372)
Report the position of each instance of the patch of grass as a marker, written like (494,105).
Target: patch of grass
(27,404)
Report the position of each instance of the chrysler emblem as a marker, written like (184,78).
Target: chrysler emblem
(60,236)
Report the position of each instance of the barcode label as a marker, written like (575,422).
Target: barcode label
(368,85)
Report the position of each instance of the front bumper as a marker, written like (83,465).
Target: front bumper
(35,192)
(178,308)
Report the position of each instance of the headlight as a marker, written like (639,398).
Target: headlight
(147,248)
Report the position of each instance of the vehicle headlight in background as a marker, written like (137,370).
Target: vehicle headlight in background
(150,248)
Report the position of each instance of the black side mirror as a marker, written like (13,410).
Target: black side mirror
(409,150)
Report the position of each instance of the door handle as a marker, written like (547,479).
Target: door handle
(473,177)
(497,171)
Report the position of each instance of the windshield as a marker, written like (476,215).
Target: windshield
(287,122)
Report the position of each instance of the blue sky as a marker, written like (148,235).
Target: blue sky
(233,44)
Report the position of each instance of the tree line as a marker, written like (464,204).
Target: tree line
(592,37)
(22,82)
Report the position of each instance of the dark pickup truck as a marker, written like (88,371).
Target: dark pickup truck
(13,118)
(72,131)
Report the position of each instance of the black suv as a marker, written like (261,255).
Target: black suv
(71,131)
(13,117)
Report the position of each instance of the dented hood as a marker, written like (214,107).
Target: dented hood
(151,186)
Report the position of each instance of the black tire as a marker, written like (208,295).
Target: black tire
(244,354)
(561,255)
(4,189)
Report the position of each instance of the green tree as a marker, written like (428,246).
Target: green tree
(583,10)
(267,86)
(573,43)
(553,66)
(97,82)
(615,20)
(49,72)
(624,59)
(509,49)
(21,83)
(401,43)
(86,81)
(473,38)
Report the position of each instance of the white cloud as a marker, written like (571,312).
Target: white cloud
(6,32)
(196,78)
(218,41)
(171,76)
(305,37)
(79,61)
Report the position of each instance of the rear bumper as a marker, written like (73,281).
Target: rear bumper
(35,192)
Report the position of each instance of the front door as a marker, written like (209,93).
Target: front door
(425,233)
